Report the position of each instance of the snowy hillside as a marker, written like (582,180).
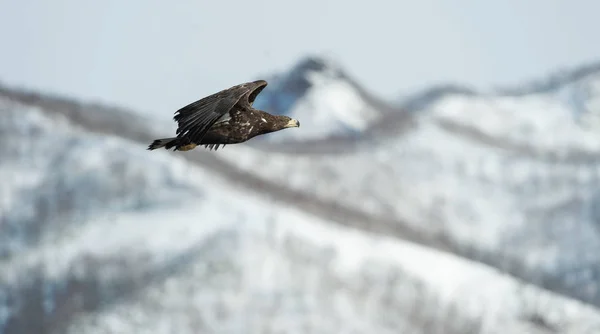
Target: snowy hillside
(510,180)
(107,238)
(319,93)
(99,235)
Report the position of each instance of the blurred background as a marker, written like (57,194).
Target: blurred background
(446,177)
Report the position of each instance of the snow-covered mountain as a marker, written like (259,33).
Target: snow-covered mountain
(329,102)
(101,237)
(510,179)
(426,222)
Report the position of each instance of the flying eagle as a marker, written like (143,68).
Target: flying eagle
(226,117)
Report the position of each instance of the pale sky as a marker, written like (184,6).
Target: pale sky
(156,56)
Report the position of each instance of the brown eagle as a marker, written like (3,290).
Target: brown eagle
(225,117)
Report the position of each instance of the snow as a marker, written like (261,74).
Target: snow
(265,253)
(539,121)
(30,122)
(257,256)
(419,180)
(334,98)
(516,169)
(75,165)
(331,106)
(197,251)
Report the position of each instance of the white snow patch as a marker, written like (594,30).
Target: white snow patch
(330,106)
(536,120)
(267,275)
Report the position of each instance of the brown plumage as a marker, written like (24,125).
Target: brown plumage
(226,117)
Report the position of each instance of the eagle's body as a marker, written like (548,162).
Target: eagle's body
(226,117)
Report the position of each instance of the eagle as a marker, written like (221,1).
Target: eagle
(225,117)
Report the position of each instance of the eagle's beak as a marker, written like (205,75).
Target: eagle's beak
(293,123)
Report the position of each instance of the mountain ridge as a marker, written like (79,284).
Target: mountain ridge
(228,259)
(115,122)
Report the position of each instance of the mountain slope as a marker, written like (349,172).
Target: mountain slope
(151,243)
(488,173)
(327,100)
(459,179)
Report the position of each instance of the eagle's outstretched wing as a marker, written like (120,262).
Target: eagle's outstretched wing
(195,119)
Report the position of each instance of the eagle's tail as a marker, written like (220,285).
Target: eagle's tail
(167,143)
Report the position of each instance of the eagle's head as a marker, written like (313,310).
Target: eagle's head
(273,123)
(285,122)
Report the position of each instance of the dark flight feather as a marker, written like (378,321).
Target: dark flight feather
(195,119)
